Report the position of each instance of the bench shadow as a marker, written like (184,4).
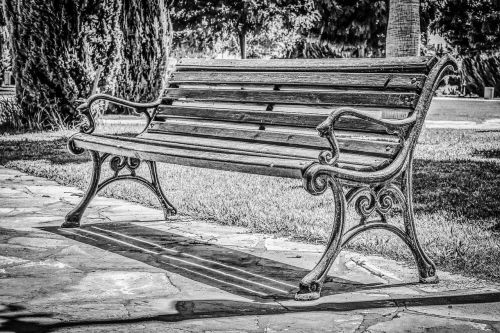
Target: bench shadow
(240,273)
(16,318)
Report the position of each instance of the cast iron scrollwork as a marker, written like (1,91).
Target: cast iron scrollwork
(118,163)
(326,130)
(85,109)
(73,149)
(369,200)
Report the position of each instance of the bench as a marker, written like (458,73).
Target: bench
(320,120)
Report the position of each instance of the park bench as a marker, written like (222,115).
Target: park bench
(316,120)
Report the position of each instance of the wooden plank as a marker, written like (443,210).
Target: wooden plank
(292,136)
(365,80)
(155,151)
(266,117)
(254,149)
(307,131)
(371,65)
(231,162)
(345,98)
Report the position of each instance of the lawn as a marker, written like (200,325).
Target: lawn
(457,196)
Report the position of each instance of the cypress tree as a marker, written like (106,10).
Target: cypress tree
(58,46)
(147,34)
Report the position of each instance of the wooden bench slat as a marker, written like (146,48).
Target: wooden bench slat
(254,149)
(289,137)
(317,109)
(344,98)
(158,151)
(145,150)
(370,65)
(266,117)
(383,81)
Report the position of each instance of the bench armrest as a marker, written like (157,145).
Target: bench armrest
(325,129)
(85,109)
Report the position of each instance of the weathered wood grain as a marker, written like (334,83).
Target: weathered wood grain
(304,97)
(292,136)
(266,118)
(382,81)
(365,65)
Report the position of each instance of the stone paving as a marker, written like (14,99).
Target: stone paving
(127,270)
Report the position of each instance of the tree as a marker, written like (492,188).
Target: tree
(472,28)
(403,29)
(147,35)
(345,24)
(356,28)
(55,63)
(202,24)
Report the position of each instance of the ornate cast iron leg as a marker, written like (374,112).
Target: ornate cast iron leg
(168,209)
(73,218)
(426,268)
(117,164)
(311,284)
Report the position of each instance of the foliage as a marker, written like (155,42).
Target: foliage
(290,29)
(55,64)
(353,28)
(479,71)
(352,23)
(472,26)
(208,24)
(147,31)
(10,114)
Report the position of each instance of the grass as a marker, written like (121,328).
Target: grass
(457,196)
(446,110)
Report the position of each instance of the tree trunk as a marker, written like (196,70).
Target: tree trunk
(243,44)
(56,48)
(403,30)
(147,31)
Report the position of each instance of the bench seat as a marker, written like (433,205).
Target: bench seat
(242,156)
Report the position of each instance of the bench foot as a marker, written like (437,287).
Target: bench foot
(309,292)
(311,285)
(168,208)
(426,267)
(72,220)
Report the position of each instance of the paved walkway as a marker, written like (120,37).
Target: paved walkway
(127,270)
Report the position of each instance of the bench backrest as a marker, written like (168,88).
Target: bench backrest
(282,101)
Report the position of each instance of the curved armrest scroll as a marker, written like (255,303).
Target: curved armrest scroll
(85,109)
(325,129)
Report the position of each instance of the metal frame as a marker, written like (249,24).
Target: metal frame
(371,193)
(117,164)
(85,109)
